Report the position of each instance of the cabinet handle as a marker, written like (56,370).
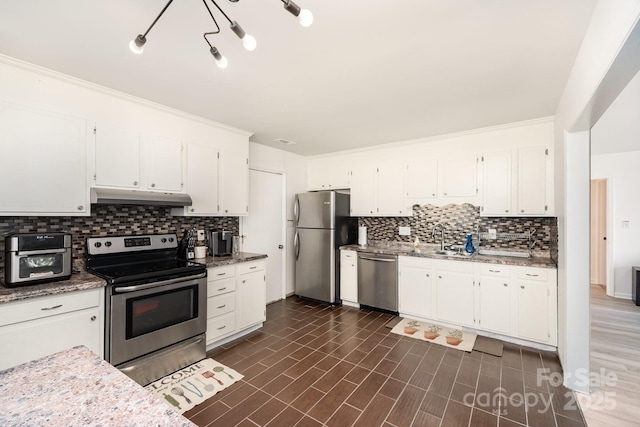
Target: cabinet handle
(505,285)
(80,207)
(439,277)
(521,286)
(51,308)
(427,275)
(223,306)
(221,274)
(353,265)
(495,271)
(222,327)
(152,185)
(135,182)
(253,268)
(433,194)
(93,318)
(532,275)
(522,210)
(506,210)
(226,210)
(193,210)
(244,281)
(222,289)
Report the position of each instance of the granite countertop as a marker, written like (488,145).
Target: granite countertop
(427,252)
(79,281)
(76,387)
(228,260)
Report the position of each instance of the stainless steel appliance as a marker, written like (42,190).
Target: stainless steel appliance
(31,258)
(155,304)
(322,225)
(378,281)
(220,243)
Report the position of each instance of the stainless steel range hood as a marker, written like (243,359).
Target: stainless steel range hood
(110,196)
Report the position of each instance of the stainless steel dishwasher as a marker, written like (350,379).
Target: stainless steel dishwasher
(378,281)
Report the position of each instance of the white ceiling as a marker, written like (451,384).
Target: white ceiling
(366,72)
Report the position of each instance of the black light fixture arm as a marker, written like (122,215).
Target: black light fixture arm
(221,11)
(213,19)
(156,20)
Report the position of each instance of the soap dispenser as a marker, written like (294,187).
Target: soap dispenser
(416,244)
(469,247)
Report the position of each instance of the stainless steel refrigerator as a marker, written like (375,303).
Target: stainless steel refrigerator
(322,225)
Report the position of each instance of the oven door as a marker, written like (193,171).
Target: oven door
(148,317)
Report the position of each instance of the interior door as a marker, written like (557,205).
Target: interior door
(263,229)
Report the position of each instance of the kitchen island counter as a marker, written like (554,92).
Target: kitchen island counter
(76,387)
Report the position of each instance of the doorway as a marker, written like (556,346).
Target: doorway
(262,230)
(599,232)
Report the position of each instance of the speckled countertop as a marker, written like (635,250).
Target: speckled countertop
(76,387)
(228,260)
(427,252)
(79,281)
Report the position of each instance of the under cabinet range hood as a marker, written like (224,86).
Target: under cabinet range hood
(110,196)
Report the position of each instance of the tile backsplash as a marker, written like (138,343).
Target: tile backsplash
(112,220)
(458,220)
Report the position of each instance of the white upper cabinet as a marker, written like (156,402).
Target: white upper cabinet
(234,183)
(496,185)
(422,179)
(125,158)
(458,176)
(117,157)
(532,180)
(202,181)
(516,182)
(43,162)
(328,174)
(378,191)
(164,163)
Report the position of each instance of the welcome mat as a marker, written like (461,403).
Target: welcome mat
(448,337)
(194,384)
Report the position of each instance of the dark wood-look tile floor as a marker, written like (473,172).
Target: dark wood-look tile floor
(315,365)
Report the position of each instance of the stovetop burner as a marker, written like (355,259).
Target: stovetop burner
(126,259)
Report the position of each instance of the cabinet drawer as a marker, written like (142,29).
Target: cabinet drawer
(222,286)
(221,304)
(414,261)
(348,254)
(532,273)
(454,266)
(250,267)
(36,308)
(221,325)
(219,273)
(497,270)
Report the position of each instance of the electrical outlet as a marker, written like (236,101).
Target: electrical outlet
(404,231)
(200,234)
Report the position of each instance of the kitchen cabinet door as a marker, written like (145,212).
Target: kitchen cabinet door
(455,297)
(422,179)
(328,174)
(532,178)
(363,191)
(495,304)
(533,311)
(252,295)
(349,276)
(234,183)
(496,183)
(415,290)
(117,157)
(164,163)
(390,190)
(42,163)
(202,180)
(458,176)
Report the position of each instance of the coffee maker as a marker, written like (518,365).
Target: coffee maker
(220,243)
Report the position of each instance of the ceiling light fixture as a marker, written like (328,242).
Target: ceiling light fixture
(305,18)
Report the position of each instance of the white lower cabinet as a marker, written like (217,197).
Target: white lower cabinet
(454,289)
(37,327)
(236,298)
(415,286)
(520,302)
(349,276)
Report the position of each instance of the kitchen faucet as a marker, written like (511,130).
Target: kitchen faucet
(433,234)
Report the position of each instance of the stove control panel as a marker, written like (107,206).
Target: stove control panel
(126,244)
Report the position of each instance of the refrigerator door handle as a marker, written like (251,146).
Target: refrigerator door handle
(296,244)
(296,210)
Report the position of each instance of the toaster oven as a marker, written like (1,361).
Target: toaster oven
(31,258)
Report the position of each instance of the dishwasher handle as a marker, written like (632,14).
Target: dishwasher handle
(378,259)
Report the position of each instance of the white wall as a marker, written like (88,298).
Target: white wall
(623,172)
(294,168)
(609,28)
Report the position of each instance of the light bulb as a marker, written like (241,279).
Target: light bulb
(135,48)
(222,62)
(249,42)
(305,18)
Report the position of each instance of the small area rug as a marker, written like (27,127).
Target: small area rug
(194,384)
(448,337)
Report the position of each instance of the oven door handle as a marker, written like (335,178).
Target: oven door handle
(42,252)
(124,289)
